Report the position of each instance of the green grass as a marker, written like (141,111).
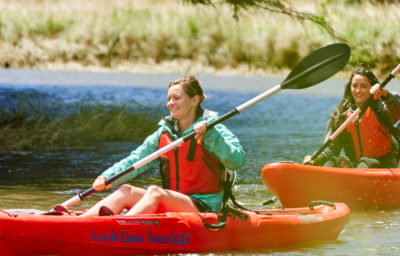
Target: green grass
(125,35)
(87,126)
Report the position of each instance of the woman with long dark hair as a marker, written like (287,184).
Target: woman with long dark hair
(367,141)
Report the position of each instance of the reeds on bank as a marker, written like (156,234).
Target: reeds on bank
(173,36)
(33,126)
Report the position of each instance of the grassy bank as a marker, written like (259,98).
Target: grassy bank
(169,36)
(87,126)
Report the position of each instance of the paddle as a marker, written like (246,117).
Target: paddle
(355,114)
(313,69)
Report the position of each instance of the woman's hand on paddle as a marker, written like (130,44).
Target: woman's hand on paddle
(308,160)
(378,92)
(100,184)
(200,129)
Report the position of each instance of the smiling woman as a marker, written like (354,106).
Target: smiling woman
(360,87)
(367,141)
(190,174)
(184,98)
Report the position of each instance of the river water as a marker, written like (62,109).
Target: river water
(284,127)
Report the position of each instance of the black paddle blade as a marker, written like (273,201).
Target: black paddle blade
(318,66)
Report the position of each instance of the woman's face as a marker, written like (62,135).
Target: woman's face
(360,87)
(179,104)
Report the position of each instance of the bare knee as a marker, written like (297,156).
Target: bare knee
(126,189)
(155,192)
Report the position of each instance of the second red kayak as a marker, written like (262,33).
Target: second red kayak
(297,184)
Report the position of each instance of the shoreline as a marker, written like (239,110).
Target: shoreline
(89,77)
(141,76)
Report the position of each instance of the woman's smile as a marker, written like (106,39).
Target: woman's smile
(179,104)
(360,89)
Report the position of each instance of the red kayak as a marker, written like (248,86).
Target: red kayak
(24,233)
(297,184)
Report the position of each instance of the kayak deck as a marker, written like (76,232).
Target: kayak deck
(24,233)
(296,185)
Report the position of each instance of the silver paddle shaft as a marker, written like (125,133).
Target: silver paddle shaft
(259,98)
(135,166)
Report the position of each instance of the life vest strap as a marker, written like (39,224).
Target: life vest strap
(227,185)
(192,150)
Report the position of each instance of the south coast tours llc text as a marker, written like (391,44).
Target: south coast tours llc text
(150,238)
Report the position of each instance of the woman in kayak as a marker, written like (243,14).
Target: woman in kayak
(191,173)
(366,141)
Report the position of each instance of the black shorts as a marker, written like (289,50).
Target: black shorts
(200,205)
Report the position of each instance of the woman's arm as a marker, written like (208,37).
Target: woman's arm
(221,142)
(333,149)
(149,146)
(391,100)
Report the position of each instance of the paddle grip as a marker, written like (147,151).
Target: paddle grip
(210,125)
(119,175)
(91,191)
(221,119)
(387,80)
(389,77)
(316,154)
(87,193)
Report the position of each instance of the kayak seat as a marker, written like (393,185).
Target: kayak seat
(229,202)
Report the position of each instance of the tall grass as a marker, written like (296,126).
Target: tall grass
(85,127)
(170,36)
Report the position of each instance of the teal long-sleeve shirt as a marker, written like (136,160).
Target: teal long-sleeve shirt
(219,141)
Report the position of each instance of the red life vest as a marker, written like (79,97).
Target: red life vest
(190,168)
(374,138)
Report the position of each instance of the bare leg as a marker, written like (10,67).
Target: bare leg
(162,200)
(125,197)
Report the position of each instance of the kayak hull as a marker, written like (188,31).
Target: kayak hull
(37,234)
(297,184)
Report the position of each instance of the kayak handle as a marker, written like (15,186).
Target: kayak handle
(314,203)
(220,225)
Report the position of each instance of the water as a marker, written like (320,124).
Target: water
(284,127)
